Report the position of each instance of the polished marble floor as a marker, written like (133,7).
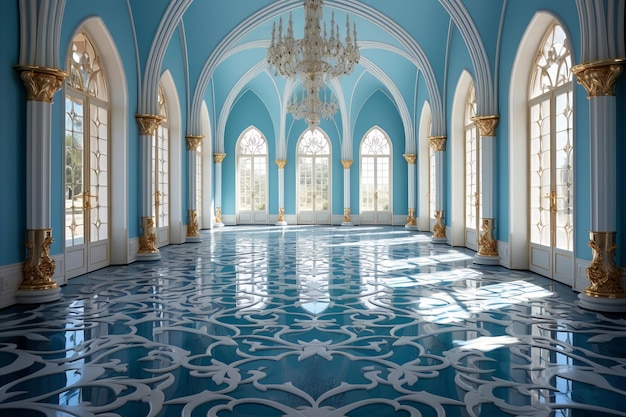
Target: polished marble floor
(310,322)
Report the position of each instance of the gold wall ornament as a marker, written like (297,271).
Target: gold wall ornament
(281,214)
(410,220)
(280,163)
(147,241)
(39,266)
(410,158)
(439,230)
(346,163)
(218,215)
(41,82)
(193,142)
(148,123)
(346,215)
(600,77)
(192,227)
(218,157)
(438,143)
(603,274)
(486,124)
(487,244)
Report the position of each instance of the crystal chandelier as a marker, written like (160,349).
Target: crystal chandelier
(316,59)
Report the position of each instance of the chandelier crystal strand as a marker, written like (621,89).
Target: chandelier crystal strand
(316,59)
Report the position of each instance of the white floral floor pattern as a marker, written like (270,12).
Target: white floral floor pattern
(309,322)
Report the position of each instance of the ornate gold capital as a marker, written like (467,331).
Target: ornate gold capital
(218,157)
(410,220)
(281,214)
(192,227)
(346,215)
(439,230)
(410,158)
(41,82)
(193,142)
(148,123)
(486,124)
(438,143)
(39,266)
(599,77)
(603,274)
(218,214)
(346,163)
(487,244)
(280,163)
(147,241)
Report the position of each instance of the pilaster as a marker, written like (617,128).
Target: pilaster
(411,221)
(193,143)
(438,144)
(218,158)
(281,164)
(347,219)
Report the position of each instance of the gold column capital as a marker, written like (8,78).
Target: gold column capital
(486,124)
(148,123)
(218,157)
(346,163)
(41,82)
(193,142)
(410,158)
(438,143)
(599,77)
(280,163)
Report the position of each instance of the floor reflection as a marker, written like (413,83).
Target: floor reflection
(312,321)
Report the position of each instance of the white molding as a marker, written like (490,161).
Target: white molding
(133,249)
(580,274)
(229,219)
(505,254)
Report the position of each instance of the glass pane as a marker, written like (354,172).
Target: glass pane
(162,176)
(375,143)
(382,183)
(553,63)
(305,183)
(99,174)
(260,181)
(368,186)
(564,163)
(540,179)
(245,183)
(86,72)
(252,143)
(74,171)
(322,183)
(313,142)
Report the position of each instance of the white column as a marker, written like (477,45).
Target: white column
(438,143)
(606,287)
(411,221)
(193,229)
(347,216)
(217,159)
(487,244)
(281,163)
(37,284)
(148,124)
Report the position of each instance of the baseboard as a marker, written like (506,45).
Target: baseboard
(504,253)
(11,278)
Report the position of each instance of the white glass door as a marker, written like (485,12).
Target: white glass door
(375,178)
(252,178)
(314,179)
(472,174)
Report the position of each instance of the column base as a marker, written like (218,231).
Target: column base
(603,304)
(37,296)
(283,223)
(486,260)
(151,256)
(349,224)
(218,225)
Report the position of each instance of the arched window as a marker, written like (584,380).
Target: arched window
(551,158)
(313,166)
(375,178)
(472,172)
(252,166)
(87,162)
(161,175)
